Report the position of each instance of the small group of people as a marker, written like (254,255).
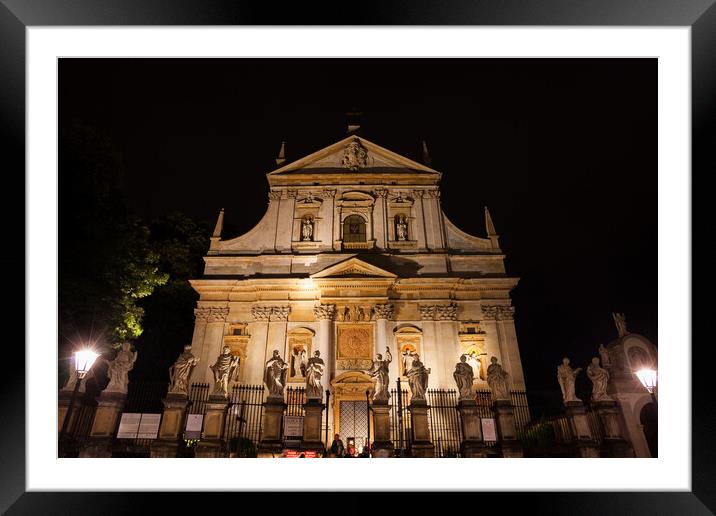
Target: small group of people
(339,450)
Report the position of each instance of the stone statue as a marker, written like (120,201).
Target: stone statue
(347,314)
(475,362)
(497,379)
(408,355)
(380,373)
(307,230)
(299,363)
(275,375)
(119,368)
(314,372)
(361,314)
(418,378)
(401,228)
(604,353)
(225,370)
(180,372)
(599,377)
(566,376)
(463,378)
(620,322)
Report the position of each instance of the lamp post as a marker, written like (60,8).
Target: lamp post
(84,359)
(325,449)
(649,379)
(367,404)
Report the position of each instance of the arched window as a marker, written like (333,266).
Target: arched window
(354,229)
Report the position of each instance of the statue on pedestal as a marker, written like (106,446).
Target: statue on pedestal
(497,380)
(464,377)
(225,370)
(119,368)
(566,376)
(380,373)
(180,372)
(599,377)
(401,228)
(314,373)
(275,375)
(418,378)
(307,229)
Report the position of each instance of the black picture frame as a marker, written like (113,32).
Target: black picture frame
(17,15)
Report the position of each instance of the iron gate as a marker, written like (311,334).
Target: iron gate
(354,422)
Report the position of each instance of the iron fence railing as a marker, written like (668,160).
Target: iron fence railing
(243,419)
(444,422)
(143,397)
(400,424)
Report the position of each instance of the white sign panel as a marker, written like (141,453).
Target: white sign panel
(128,425)
(489,432)
(149,426)
(292,425)
(193,426)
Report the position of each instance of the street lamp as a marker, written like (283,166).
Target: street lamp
(84,359)
(649,379)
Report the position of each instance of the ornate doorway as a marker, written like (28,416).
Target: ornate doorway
(350,411)
(354,422)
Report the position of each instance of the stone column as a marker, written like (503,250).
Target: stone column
(312,426)
(212,440)
(256,354)
(472,443)
(215,317)
(422,446)
(171,428)
(448,347)
(430,340)
(491,315)
(325,315)
(508,345)
(382,444)
(271,444)
(613,442)
(507,429)
(104,425)
(577,415)
(383,315)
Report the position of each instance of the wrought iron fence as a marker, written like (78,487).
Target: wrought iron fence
(243,419)
(79,426)
(295,398)
(198,396)
(142,397)
(400,425)
(521,409)
(444,422)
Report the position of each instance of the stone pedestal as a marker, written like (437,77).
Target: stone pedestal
(613,442)
(577,415)
(312,425)
(271,443)
(212,443)
(422,446)
(382,444)
(171,429)
(472,444)
(507,430)
(104,425)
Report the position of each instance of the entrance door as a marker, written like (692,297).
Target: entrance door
(354,422)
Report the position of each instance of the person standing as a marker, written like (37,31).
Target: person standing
(337,448)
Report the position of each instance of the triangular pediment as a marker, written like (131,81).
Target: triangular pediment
(351,155)
(353,268)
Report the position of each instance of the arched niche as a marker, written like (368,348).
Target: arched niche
(408,341)
(299,346)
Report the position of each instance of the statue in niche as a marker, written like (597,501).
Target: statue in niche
(361,314)
(604,353)
(119,368)
(418,376)
(347,314)
(307,229)
(408,353)
(566,377)
(599,378)
(620,322)
(401,228)
(275,375)
(380,373)
(225,370)
(298,359)
(181,370)
(497,379)
(314,373)
(463,378)
(473,358)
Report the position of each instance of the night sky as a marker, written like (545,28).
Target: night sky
(562,151)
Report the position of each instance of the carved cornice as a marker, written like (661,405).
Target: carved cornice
(275,195)
(328,193)
(261,313)
(498,312)
(381,192)
(280,313)
(324,311)
(292,194)
(211,313)
(439,312)
(419,193)
(435,194)
(383,311)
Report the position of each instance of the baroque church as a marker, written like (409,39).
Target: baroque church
(355,257)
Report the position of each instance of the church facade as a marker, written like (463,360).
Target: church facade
(355,257)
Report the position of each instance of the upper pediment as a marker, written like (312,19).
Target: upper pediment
(353,268)
(349,159)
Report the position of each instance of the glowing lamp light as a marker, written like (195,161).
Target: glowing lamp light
(648,379)
(84,359)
